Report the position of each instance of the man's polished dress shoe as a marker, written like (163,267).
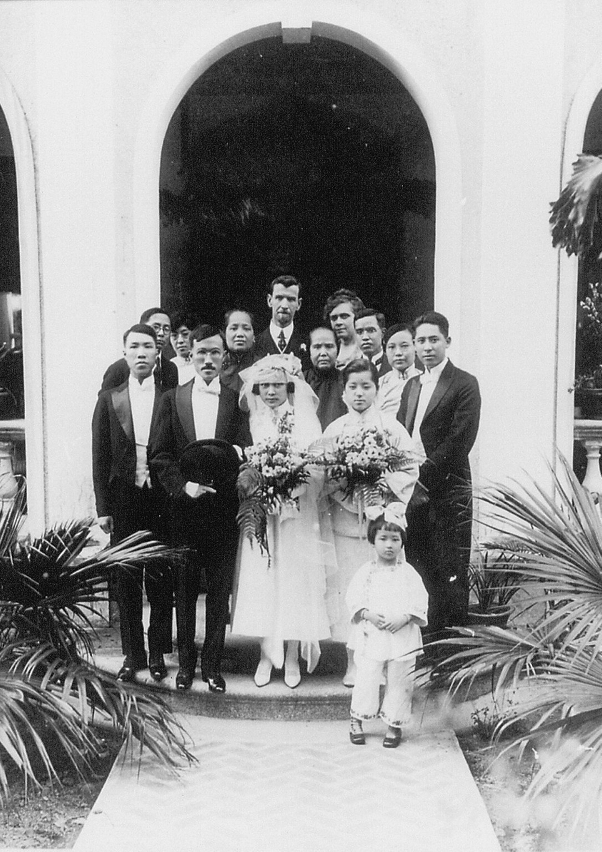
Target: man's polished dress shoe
(184,679)
(157,669)
(126,674)
(215,682)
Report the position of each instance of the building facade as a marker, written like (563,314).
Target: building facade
(88,90)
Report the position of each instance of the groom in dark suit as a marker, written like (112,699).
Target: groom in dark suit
(441,410)
(126,502)
(203,517)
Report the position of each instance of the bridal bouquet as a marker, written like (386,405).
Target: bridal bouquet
(358,462)
(267,482)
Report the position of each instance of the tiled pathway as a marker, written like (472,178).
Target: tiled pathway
(281,786)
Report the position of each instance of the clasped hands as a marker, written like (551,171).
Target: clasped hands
(383,622)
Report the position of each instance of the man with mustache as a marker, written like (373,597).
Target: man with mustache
(284,300)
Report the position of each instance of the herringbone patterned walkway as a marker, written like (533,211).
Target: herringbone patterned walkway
(257,788)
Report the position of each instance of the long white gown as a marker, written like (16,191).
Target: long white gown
(351,545)
(284,598)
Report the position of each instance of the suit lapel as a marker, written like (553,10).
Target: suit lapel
(120,398)
(441,388)
(184,409)
(224,415)
(412,403)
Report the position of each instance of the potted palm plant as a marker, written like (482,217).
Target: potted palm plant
(492,590)
(553,664)
(52,696)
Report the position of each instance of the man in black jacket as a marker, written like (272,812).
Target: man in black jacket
(441,410)
(165,371)
(126,502)
(284,300)
(203,515)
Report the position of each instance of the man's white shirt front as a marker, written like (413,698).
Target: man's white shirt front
(428,382)
(142,401)
(205,402)
(276,331)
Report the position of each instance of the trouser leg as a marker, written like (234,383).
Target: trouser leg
(396,708)
(129,598)
(365,699)
(218,580)
(159,591)
(187,583)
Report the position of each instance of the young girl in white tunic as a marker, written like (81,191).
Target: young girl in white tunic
(388,603)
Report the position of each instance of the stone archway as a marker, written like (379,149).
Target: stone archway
(309,159)
(29,281)
(365,32)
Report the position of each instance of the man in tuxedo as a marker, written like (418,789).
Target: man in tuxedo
(323,377)
(203,517)
(284,300)
(370,327)
(126,502)
(165,371)
(441,410)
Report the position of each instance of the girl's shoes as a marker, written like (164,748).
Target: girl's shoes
(263,674)
(392,738)
(356,733)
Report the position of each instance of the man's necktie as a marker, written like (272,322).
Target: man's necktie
(281,341)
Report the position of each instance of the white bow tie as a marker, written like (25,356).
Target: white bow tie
(427,378)
(203,387)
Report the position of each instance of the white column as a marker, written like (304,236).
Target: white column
(74,139)
(522,133)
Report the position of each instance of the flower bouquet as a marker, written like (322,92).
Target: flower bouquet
(274,470)
(359,461)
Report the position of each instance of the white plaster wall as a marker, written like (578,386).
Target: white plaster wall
(97,81)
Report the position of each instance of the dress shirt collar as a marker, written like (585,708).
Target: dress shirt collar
(276,329)
(147,385)
(201,386)
(433,376)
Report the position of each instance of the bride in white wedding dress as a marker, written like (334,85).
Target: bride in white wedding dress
(281,598)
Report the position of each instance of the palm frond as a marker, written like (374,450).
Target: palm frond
(503,655)
(560,536)
(575,216)
(78,701)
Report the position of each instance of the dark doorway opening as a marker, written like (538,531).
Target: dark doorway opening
(307,159)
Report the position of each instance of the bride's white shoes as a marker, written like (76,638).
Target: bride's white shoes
(292,675)
(263,674)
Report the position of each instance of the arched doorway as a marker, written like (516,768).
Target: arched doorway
(12,391)
(312,159)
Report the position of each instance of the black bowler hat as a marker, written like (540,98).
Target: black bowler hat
(210,462)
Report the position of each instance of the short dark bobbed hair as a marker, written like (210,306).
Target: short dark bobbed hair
(286,281)
(140,328)
(394,329)
(360,365)
(149,312)
(203,331)
(231,311)
(433,318)
(388,526)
